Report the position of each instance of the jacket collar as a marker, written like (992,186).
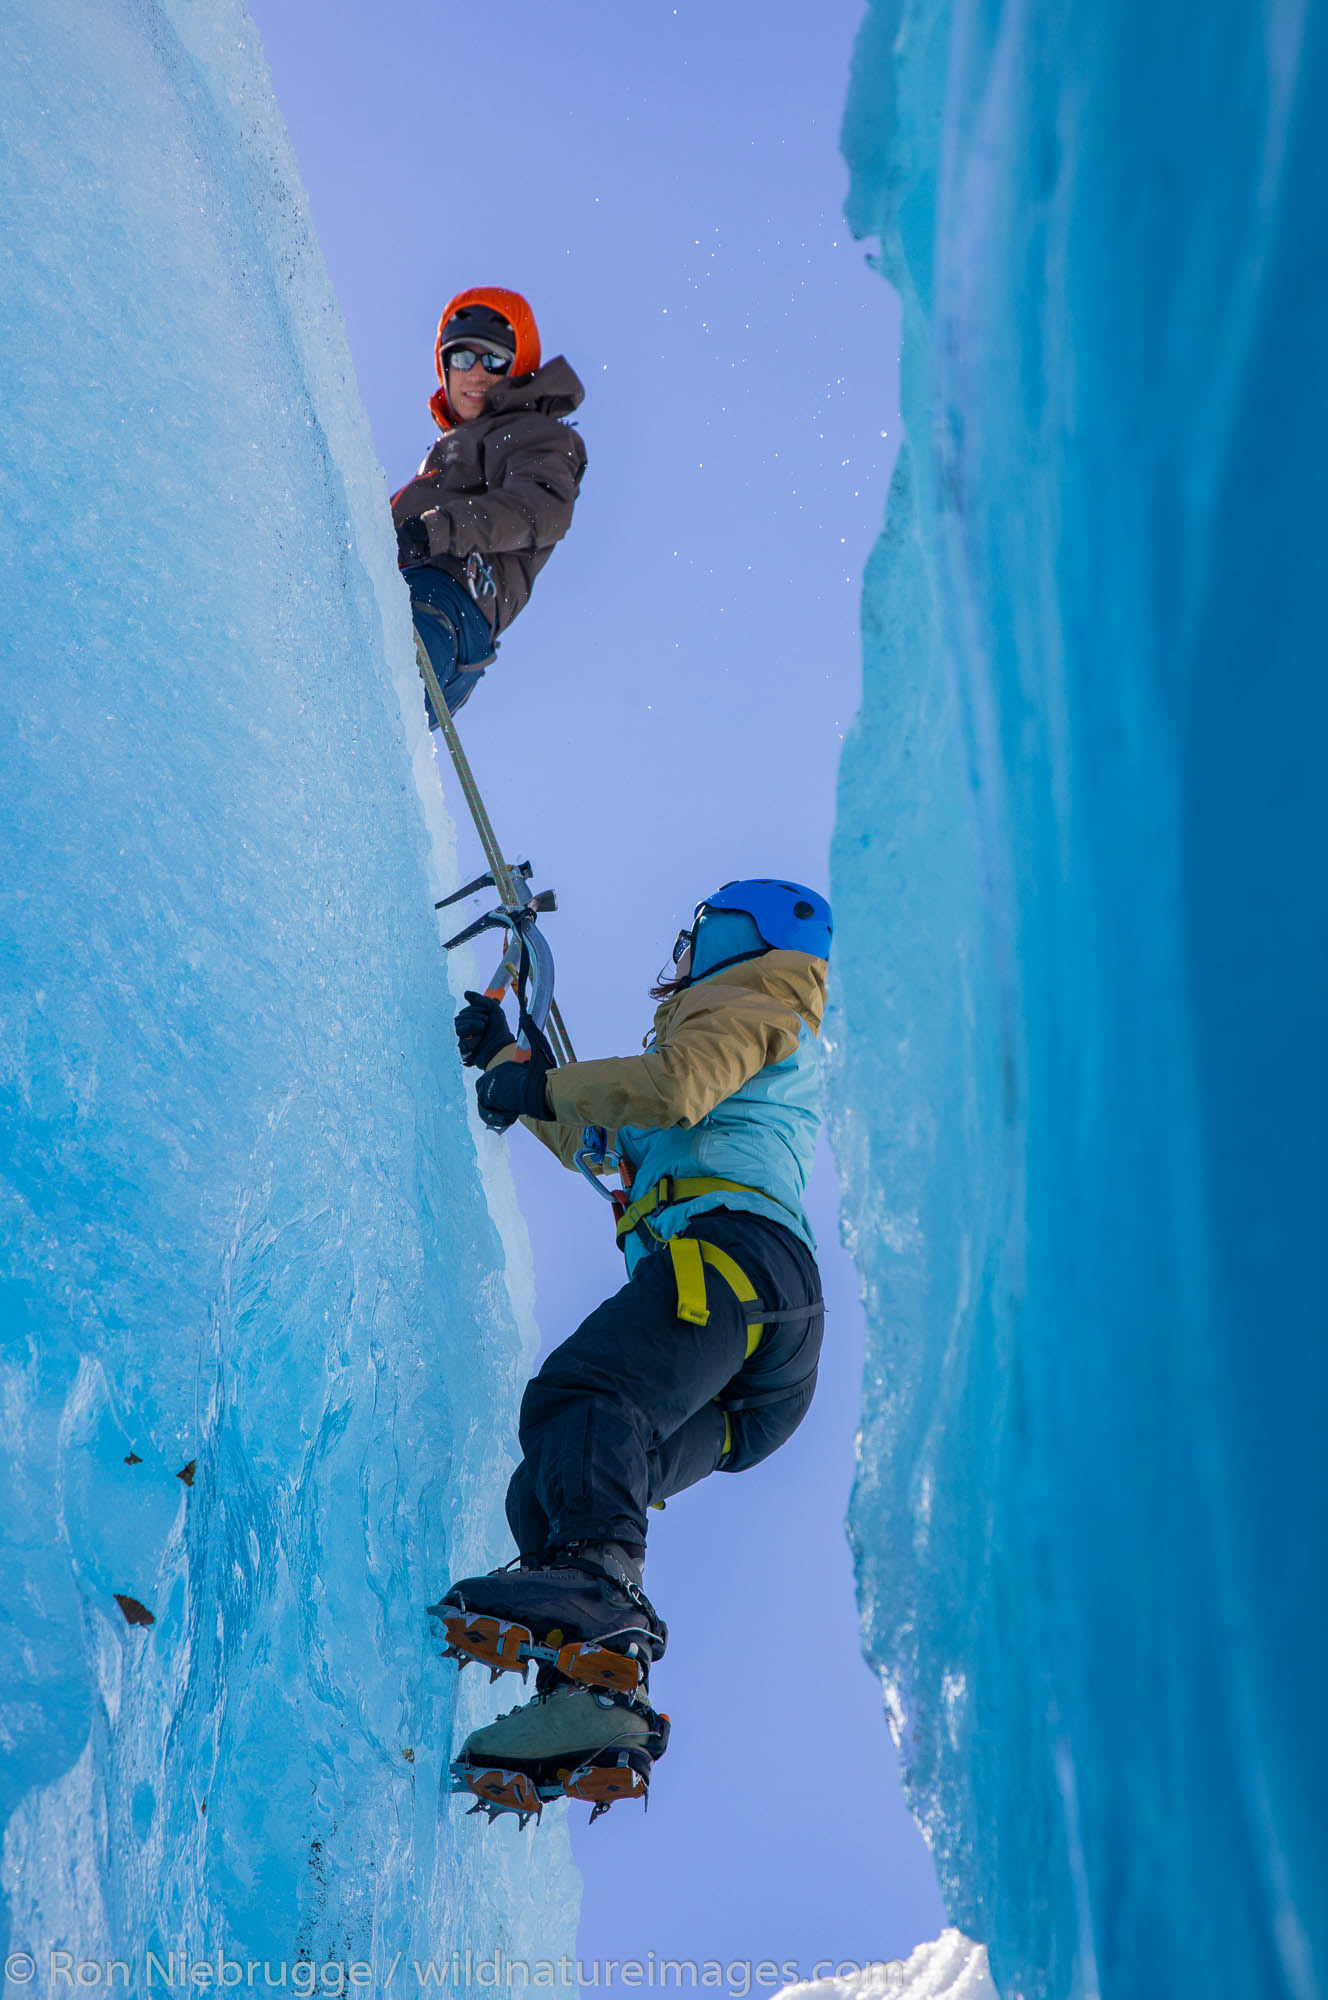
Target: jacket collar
(554,390)
(794,977)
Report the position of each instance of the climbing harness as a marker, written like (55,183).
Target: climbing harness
(527,962)
(632,1217)
(690,1255)
(665,1193)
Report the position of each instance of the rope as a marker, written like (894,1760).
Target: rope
(493,853)
(560,1041)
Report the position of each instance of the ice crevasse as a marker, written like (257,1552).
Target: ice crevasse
(1079,876)
(254,1323)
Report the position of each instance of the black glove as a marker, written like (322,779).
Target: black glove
(481,1030)
(513,1090)
(412,541)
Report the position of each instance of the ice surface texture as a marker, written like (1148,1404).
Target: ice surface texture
(243,1227)
(1079,876)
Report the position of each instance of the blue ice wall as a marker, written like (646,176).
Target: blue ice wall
(243,1228)
(1080,876)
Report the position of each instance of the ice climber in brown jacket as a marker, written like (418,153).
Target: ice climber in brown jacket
(479,520)
(704,1361)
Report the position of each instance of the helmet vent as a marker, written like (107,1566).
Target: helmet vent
(802,911)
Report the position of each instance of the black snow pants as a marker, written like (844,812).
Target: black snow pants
(632,1407)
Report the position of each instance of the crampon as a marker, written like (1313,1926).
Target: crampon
(618,1660)
(600,1780)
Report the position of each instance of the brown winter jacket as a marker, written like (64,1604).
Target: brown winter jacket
(501,486)
(705,1044)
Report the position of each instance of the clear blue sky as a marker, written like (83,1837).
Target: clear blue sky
(664,185)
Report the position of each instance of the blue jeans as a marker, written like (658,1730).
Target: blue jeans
(454,630)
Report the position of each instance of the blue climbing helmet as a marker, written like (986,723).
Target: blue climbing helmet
(743,919)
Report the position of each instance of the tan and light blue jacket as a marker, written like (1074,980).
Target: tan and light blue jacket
(726,1087)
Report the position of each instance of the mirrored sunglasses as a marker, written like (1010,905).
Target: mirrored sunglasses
(465,358)
(681,944)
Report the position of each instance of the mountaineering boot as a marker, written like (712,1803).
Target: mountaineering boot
(569,1742)
(567,1724)
(582,1610)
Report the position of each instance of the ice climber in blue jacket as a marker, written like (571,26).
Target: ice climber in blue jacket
(704,1361)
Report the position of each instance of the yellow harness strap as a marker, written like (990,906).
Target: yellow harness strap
(690,1258)
(666,1192)
(689,1280)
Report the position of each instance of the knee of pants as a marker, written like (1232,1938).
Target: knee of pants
(457,691)
(758,1432)
(568,1379)
(440,641)
(690,1455)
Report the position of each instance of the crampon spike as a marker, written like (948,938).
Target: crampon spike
(491,1813)
(504,1647)
(500,1791)
(495,1642)
(602,1781)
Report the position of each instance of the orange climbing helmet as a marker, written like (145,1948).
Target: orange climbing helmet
(511,307)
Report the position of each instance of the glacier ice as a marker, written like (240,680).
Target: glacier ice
(255,1324)
(1080,1051)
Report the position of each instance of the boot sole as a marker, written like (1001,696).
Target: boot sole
(613,1661)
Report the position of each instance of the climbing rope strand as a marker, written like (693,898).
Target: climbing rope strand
(559,1040)
(493,853)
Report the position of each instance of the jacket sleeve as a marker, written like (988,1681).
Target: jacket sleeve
(420,492)
(529,505)
(563,1141)
(417,494)
(715,1039)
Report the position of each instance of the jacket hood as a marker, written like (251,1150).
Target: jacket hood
(555,390)
(519,317)
(795,977)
